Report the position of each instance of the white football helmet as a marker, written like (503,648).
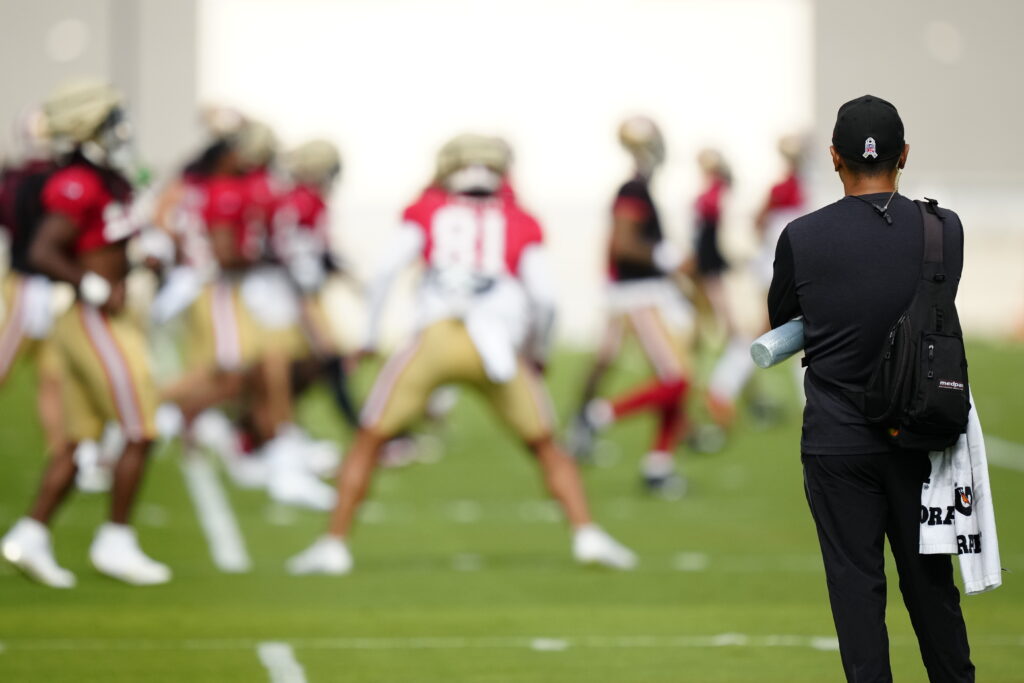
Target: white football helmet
(257,144)
(77,110)
(473,163)
(642,138)
(316,162)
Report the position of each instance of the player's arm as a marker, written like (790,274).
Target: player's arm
(629,245)
(404,251)
(50,254)
(167,203)
(536,275)
(783,304)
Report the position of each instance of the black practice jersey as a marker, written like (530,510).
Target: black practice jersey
(634,200)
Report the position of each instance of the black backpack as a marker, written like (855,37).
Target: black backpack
(919,390)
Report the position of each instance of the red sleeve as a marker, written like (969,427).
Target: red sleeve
(423,209)
(708,203)
(73,192)
(785,194)
(523,230)
(310,209)
(225,204)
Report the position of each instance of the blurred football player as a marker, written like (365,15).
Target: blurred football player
(784,203)
(710,263)
(644,298)
(242,328)
(300,240)
(26,314)
(82,240)
(485,315)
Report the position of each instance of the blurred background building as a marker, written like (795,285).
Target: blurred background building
(389,80)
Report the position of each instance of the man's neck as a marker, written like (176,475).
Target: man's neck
(858,185)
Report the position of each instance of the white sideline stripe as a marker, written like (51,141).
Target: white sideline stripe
(279,660)
(824,643)
(227,547)
(1002,453)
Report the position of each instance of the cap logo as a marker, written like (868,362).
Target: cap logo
(869,149)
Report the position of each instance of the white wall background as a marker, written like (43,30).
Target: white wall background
(390,80)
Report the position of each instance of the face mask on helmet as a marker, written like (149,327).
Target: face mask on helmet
(112,144)
(475,179)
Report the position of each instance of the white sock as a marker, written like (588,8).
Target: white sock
(599,412)
(731,371)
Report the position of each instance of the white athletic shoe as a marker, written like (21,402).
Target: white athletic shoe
(290,482)
(592,545)
(27,546)
(115,552)
(328,555)
(214,432)
(660,478)
(321,457)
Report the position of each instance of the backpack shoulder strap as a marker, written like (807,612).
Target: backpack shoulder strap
(932,230)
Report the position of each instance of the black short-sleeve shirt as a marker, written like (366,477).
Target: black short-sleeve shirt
(850,275)
(634,199)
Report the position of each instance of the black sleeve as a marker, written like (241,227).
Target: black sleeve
(783,304)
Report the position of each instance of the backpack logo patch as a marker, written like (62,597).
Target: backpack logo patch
(869,149)
(950,384)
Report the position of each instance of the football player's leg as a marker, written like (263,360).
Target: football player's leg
(12,322)
(113,363)
(525,406)
(583,429)
(28,544)
(397,399)
(731,373)
(611,344)
(48,398)
(666,356)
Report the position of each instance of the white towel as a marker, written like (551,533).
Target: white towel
(957,516)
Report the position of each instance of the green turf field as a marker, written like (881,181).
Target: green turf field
(463,571)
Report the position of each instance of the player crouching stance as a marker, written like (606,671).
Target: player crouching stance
(82,240)
(486,280)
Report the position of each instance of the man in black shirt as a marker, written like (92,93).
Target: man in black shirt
(850,269)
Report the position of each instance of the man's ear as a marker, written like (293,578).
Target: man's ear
(903,156)
(836,159)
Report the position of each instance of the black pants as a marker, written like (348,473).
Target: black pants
(857,501)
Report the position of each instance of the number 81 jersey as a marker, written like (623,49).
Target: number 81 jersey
(479,239)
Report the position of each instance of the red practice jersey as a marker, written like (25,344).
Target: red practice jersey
(225,207)
(96,201)
(709,203)
(300,209)
(787,194)
(485,236)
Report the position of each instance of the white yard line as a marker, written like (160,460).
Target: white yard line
(279,660)
(1002,453)
(227,547)
(539,643)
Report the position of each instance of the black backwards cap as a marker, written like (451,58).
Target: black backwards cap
(868,129)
